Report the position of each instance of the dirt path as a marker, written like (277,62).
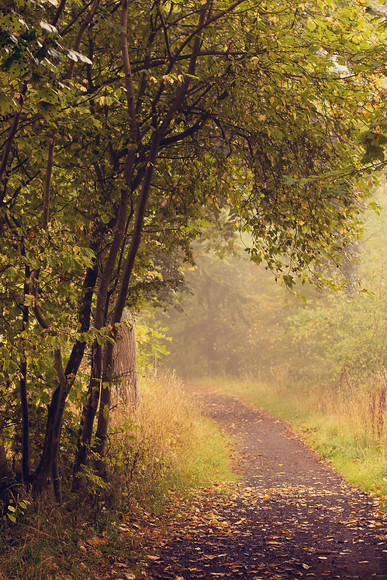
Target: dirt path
(291,517)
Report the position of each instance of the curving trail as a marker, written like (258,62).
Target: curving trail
(291,517)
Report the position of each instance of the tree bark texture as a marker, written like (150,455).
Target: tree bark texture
(125,377)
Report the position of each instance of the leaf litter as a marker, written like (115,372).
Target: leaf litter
(289,517)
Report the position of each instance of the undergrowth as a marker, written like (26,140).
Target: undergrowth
(345,423)
(164,446)
(168,445)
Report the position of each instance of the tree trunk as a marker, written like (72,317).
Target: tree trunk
(103,416)
(88,416)
(23,392)
(3,457)
(56,408)
(350,267)
(125,378)
(158,134)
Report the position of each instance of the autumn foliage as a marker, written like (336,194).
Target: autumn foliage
(126,127)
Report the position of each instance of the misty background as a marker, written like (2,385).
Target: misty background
(233,319)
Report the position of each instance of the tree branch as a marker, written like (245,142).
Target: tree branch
(58,13)
(12,132)
(81,32)
(187,133)
(47,185)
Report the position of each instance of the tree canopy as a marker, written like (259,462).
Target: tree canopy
(126,127)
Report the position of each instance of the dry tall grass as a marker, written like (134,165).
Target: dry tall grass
(361,405)
(357,405)
(165,443)
(346,422)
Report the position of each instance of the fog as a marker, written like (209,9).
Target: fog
(236,320)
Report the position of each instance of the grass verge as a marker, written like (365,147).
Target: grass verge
(169,445)
(346,425)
